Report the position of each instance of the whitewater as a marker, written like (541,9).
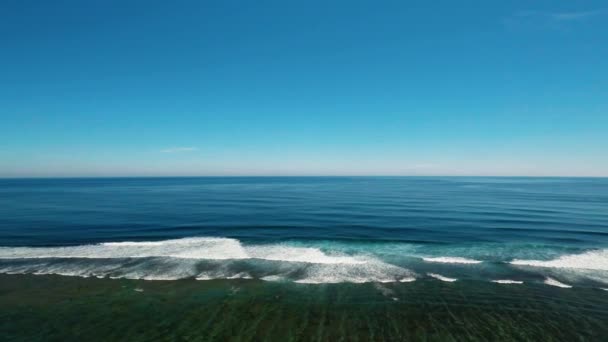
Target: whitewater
(207,258)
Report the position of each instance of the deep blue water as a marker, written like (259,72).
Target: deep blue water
(309,229)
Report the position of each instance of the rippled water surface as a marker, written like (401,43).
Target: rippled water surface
(507,240)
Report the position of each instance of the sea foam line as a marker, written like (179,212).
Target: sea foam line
(407,280)
(442,278)
(202,248)
(592,260)
(507,281)
(188,257)
(451,260)
(554,282)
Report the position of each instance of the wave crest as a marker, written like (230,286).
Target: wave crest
(592,260)
(452,260)
(187,248)
(200,258)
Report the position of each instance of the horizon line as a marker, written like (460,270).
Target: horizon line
(301,176)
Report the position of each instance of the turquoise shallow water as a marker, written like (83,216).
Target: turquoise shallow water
(302,258)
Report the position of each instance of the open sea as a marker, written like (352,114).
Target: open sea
(304,258)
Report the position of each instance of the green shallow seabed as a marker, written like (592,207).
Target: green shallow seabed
(56,308)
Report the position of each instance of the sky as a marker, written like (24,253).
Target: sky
(196,88)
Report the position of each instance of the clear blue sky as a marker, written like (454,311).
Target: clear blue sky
(127,88)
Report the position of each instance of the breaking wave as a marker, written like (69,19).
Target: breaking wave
(592,260)
(452,260)
(207,258)
(203,259)
(554,282)
(442,278)
(507,281)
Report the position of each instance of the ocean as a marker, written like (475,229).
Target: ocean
(301,258)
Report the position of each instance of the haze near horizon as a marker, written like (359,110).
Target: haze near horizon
(195,88)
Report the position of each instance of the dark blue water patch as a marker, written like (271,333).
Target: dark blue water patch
(434,209)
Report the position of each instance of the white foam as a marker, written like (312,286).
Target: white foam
(603,288)
(452,260)
(592,260)
(273,278)
(157,269)
(157,278)
(372,270)
(202,248)
(181,258)
(188,248)
(298,254)
(407,280)
(507,281)
(553,282)
(220,275)
(442,278)
(241,275)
